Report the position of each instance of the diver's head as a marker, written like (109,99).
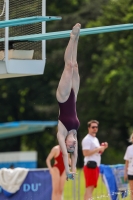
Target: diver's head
(70,143)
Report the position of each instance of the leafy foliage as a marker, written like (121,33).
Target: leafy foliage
(105,65)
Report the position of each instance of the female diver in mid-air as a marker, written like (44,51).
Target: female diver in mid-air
(66,96)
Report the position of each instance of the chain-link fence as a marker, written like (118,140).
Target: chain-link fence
(23,9)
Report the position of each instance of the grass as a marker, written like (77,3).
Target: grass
(74,190)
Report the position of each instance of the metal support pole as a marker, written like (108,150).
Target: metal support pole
(43,30)
(79,177)
(6,33)
(74,189)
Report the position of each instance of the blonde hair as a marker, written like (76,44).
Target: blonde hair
(131,138)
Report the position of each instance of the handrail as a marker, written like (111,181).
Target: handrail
(65,34)
(27,20)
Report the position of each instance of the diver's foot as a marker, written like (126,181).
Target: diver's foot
(75,31)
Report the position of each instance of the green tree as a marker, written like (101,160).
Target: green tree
(105,65)
(108,87)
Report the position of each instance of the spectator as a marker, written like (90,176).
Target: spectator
(128,175)
(57,172)
(92,157)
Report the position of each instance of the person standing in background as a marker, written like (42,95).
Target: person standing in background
(57,172)
(92,151)
(128,157)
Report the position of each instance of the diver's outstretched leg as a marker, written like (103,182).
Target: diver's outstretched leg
(66,81)
(76,78)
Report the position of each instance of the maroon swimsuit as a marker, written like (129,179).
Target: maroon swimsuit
(68,114)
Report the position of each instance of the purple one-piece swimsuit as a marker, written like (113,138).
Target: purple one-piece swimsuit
(68,114)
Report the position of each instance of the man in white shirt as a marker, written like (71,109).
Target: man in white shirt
(128,157)
(92,157)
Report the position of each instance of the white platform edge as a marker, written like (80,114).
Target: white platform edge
(25,67)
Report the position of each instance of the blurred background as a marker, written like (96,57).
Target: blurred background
(106,88)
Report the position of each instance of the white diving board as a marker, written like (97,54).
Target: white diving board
(27,20)
(65,34)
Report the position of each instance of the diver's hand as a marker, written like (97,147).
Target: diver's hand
(70,175)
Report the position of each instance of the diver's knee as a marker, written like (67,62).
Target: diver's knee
(75,64)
